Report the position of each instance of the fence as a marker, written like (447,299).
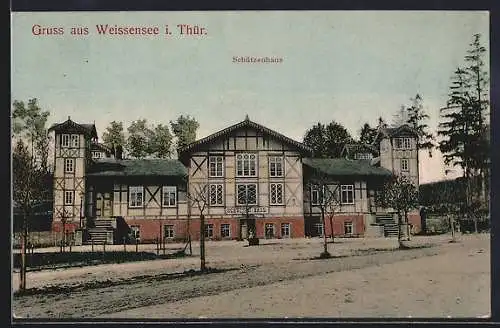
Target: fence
(42,239)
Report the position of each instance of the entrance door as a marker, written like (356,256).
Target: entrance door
(269,230)
(244,230)
(104,205)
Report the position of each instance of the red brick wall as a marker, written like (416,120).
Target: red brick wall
(296,226)
(338,225)
(416,222)
(57,226)
(150,229)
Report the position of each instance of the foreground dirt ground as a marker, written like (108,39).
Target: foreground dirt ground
(277,280)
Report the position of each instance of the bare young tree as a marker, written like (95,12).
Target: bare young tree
(199,196)
(324,195)
(28,181)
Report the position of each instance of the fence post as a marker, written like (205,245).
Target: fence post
(104,246)
(136,245)
(92,243)
(157,246)
(124,245)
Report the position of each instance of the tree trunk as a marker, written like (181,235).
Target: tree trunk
(331,228)
(24,239)
(407,227)
(400,242)
(325,245)
(202,243)
(452,225)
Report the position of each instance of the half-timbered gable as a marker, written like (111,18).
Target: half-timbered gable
(247,170)
(359,151)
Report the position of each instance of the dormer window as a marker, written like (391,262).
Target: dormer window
(363,156)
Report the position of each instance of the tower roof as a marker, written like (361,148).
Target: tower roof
(70,126)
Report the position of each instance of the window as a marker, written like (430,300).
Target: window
(69,165)
(69,197)
(285,230)
(363,156)
(216,194)
(216,166)
(135,196)
(404,164)
(276,194)
(276,166)
(209,231)
(347,194)
(169,196)
(316,196)
(136,231)
(348,228)
(246,165)
(168,231)
(402,143)
(406,143)
(75,140)
(225,230)
(65,140)
(269,230)
(247,194)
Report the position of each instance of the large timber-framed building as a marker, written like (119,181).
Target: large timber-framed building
(245,179)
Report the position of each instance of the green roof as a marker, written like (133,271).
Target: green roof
(138,167)
(345,167)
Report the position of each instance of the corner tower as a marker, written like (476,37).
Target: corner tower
(72,156)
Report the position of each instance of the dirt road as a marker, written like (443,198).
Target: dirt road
(449,280)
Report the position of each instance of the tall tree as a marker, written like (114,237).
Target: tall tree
(184,129)
(29,124)
(479,83)
(327,141)
(114,135)
(139,139)
(315,138)
(367,134)
(401,195)
(161,142)
(463,128)
(417,118)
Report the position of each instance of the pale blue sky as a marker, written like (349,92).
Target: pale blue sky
(346,66)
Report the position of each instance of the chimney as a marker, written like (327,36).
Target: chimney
(119,152)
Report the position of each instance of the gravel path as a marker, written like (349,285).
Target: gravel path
(455,284)
(155,290)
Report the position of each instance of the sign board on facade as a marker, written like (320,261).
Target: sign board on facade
(243,210)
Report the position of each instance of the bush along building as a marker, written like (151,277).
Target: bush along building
(247,180)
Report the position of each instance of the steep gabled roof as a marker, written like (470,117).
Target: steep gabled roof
(243,124)
(138,167)
(354,148)
(345,167)
(101,147)
(404,129)
(70,126)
